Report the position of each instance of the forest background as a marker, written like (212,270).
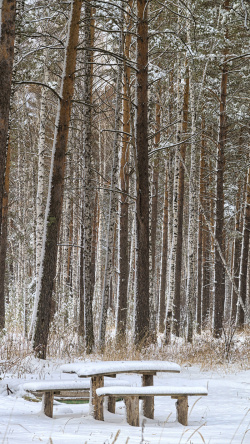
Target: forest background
(124,171)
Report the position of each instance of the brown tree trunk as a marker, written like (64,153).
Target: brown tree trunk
(7,39)
(178,264)
(236,255)
(244,255)
(55,194)
(142,185)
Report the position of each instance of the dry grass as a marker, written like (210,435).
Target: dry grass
(206,352)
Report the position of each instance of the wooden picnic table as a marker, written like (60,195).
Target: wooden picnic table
(97,370)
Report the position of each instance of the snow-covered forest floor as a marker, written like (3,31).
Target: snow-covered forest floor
(222,417)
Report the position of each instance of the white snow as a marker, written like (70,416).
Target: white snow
(154,390)
(84,369)
(76,384)
(222,417)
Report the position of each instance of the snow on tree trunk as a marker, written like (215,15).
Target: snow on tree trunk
(112,202)
(179,259)
(41,176)
(192,222)
(123,266)
(219,287)
(173,244)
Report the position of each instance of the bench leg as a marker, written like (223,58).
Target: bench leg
(132,410)
(111,404)
(47,404)
(148,401)
(182,410)
(96,402)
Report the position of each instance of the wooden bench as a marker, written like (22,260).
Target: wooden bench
(80,389)
(131,396)
(97,371)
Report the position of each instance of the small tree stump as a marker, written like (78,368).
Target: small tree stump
(182,410)
(97,401)
(47,404)
(148,401)
(132,410)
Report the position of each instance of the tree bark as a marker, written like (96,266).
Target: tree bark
(241,318)
(219,210)
(123,205)
(178,265)
(7,39)
(3,238)
(142,185)
(88,188)
(43,303)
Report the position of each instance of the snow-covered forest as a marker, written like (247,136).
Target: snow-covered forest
(124,171)
(125,213)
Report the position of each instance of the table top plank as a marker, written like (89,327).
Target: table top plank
(87,369)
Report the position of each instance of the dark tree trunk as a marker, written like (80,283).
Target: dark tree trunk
(219,211)
(142,183)
(55,195)
(7,39)
(244,255)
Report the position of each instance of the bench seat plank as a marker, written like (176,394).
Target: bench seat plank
(131,397)
(152,391)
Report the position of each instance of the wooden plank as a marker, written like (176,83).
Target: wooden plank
(47,404)
(96,402)
(148,402)
(111,404)
(182,410)
(132,410)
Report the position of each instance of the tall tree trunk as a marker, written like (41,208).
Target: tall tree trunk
(192,226)
(205,239)
(7,39)
(112,203)
(178,265)
(174,233)
(40,206)
(43,302)
(3,238)
(164,259)
(241,318)
(142,185)
(153,226)
(88,187)
(121,317)
(219,210)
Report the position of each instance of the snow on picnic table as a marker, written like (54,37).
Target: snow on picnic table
(222,417)
(84,369)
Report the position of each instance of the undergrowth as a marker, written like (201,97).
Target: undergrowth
(206,352)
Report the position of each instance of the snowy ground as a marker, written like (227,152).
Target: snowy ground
(222,417)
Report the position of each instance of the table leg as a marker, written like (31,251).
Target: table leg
(148,401)
(47,403)
(96,402)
